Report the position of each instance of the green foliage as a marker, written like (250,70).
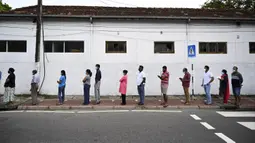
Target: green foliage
(4,7)
(247,5)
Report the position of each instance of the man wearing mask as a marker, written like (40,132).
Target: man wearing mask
(140,80)
(186,83)
(97,83)
(9,87)
(34,86)
(237,81)
(164,84)
(206,83)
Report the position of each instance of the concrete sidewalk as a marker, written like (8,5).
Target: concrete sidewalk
(110,103)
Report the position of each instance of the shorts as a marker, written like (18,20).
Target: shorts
(237,91)
(164,88)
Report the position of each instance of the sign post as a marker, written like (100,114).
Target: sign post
(192,54)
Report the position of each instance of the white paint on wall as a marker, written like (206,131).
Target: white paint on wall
(140,37)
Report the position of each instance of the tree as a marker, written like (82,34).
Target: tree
(247,5)
(4,6)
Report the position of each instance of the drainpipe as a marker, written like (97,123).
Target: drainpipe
(91,37)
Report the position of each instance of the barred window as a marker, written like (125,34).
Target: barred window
(252,47)
(115,47)
(64,46)
(164,47)
(13,46)
(212,48)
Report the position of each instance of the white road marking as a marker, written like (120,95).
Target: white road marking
(17,111)
(250,125)
(161,111)
(195,117)
(237,114)
(39,111)
(104,111)
(225,138)
(46,111)
(209,127)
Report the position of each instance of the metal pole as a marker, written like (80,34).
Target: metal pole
(192,80)
(38,31)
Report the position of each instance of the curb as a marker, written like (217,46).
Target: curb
(54,107)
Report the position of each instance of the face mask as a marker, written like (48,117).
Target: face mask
(204,69)
(222,72)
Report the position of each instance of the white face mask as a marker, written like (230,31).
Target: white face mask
(204,69)
(96,68)
(222,73)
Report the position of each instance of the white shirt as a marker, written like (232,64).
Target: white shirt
(35,79)
(207,77)
(140,76)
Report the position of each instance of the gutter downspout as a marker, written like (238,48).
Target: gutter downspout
(91,38)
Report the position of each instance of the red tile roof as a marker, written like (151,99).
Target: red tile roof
(133,12)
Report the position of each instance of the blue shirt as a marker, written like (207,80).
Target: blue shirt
(62,81)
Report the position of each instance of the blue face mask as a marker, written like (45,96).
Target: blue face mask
(222,72)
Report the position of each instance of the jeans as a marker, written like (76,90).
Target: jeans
(140,89)
(86,90)
(61,94)
(207,89)
(236,91)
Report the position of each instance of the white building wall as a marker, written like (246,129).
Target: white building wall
(140,37)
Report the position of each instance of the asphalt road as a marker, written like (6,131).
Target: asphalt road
(123,127)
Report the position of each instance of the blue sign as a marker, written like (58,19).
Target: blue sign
(191,51)
(0,75)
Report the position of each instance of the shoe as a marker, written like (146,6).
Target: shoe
(98,102)
(122,104)
(140,103)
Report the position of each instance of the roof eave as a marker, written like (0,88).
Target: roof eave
(130,17)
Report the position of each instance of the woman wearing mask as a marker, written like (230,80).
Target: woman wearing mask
(86,89)
(61,87)
(123,87)
(224,86)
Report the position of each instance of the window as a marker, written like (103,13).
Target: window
(164,47)
(252,47)
(74,47)
(64,46)
(212,47)
(116,47)
(2,46)
(13,46)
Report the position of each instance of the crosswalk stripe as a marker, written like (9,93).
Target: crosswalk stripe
(195,117)
(237,114)
(209,127)
(225,138)
(249,125)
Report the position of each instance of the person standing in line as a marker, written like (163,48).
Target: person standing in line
(123,87)
(97,83)
(61,87)
(140,80)
(34,86)
(237,81)
(206,83)
(164,85)
(9,87)
(86,89)
(224,86)
(186,84)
